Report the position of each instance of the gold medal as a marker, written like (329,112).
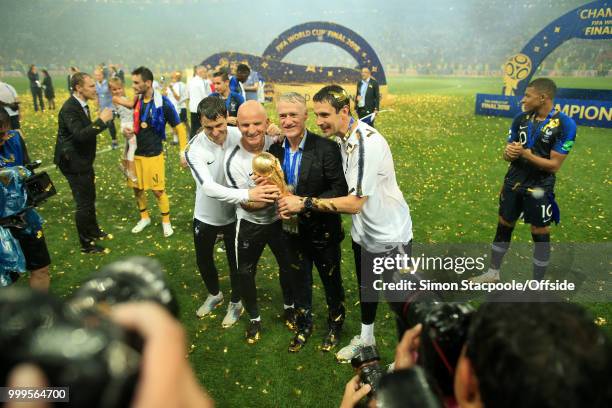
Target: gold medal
(144,125)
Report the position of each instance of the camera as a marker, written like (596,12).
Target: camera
(39,186)
(367,365)
(128,280)
(445,327)
(21,189)
(407,388)
(74,343)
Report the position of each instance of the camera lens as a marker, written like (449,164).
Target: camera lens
(132,279)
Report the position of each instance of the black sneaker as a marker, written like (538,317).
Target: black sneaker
(331,340)
(289,318)
(103,236)
(334,323)
(300,338)
(253,332)
(303,321)
(94,249)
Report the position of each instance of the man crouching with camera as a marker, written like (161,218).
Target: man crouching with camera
(114,342)
(528,352)
(13,153)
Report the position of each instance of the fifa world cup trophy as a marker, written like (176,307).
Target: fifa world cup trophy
(267,166)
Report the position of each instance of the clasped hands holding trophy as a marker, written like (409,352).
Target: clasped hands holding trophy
(267,170)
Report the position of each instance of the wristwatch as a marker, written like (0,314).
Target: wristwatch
(308,203)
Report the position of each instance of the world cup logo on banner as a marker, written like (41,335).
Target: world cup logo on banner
(516,69)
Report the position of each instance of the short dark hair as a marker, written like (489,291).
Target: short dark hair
(335,95)
(538,354)
(5,119)
(211,108)
(223,74)
(144,72)
(243,69)
(77,79)
(545,86)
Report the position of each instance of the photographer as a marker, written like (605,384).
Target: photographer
(166,379)
(114,342)
(9,102)
(13,153)
(519,355)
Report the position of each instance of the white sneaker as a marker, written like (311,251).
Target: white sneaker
(348,352)
(490,276)
(167,229)
(142,224)
(234,311)
(209,304)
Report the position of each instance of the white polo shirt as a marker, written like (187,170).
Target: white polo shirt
(368,168)
(198,89)
(181,90)
(239,170)
(215,201)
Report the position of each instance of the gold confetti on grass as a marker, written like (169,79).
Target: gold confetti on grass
(448,166)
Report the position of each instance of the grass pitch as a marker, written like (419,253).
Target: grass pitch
(448,164)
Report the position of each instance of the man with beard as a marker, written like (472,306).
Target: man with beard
(151,113)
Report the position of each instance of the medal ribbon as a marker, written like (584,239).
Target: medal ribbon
(289,165)
(147,110)
(137,105)
(532,136)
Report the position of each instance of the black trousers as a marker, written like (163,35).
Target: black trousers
(112,130)
(84,194)
(327,260)
(364,264)
(195,124)
(250,243)
(204,238)
(37,96)
(362,112)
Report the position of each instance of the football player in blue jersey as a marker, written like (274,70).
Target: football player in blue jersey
(539,141)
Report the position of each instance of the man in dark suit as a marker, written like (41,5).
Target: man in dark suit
(71,72)
(75,152)
(313,168)
(367,97)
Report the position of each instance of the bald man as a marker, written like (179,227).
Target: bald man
(257,224)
